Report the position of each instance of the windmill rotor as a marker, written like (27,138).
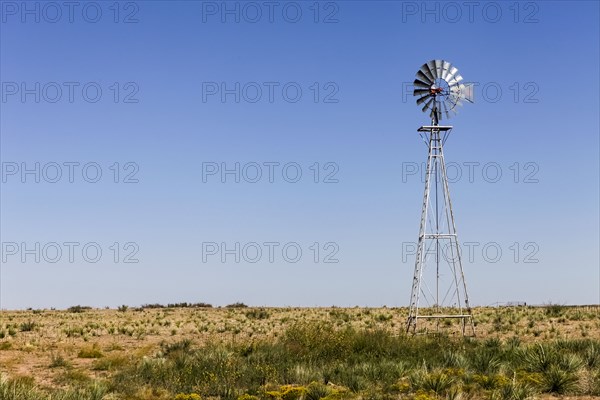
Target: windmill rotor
(440,88)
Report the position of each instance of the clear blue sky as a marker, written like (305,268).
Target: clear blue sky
(173,56)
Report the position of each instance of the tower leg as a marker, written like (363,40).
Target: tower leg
(416,286)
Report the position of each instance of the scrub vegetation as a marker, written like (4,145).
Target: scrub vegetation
(195,351)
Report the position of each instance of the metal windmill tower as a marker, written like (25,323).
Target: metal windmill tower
(439,279)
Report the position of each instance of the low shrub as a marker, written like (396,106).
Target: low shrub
(260,313)
(27,326)
(90,352)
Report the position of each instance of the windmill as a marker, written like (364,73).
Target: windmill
(439,279)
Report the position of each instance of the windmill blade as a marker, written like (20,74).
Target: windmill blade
(457,78)
(426,106)
(454,102)
(457,99)
(463,92)
(445,110)
(445,69)
(454,90)
(420,82)
(419,92)
(439,109)
(450,109)
(457,91)
(451,73)
(452,94)
(426,74)
(423,99)
(438,67)
(431,66)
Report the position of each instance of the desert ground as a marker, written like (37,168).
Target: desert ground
(192,351)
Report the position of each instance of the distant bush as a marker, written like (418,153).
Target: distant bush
(178,305)
(189,305)
(78,309)
(236,305)
(153,305)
